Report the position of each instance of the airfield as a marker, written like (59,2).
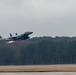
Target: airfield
(40,68)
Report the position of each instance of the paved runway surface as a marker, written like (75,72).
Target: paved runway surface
(41,66)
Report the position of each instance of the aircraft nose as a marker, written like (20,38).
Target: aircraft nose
(28,33)
(31,32)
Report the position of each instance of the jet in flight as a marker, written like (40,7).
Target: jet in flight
(19,37)
(12,39)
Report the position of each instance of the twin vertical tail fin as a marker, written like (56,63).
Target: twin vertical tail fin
(10,35)
(0,37)
(16,34)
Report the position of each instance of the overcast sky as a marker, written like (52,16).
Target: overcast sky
(43,17)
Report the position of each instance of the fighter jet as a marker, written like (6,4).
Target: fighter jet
(12,39)
(19,37)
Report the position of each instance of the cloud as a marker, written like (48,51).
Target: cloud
(44,17)
(12,3)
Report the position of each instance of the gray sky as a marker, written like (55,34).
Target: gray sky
(43,17)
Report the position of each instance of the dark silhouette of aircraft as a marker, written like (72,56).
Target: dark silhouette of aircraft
(19,37)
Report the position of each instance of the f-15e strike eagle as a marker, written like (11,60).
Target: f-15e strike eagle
(19,37)
(24,36)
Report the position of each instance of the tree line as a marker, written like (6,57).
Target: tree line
(38,51)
